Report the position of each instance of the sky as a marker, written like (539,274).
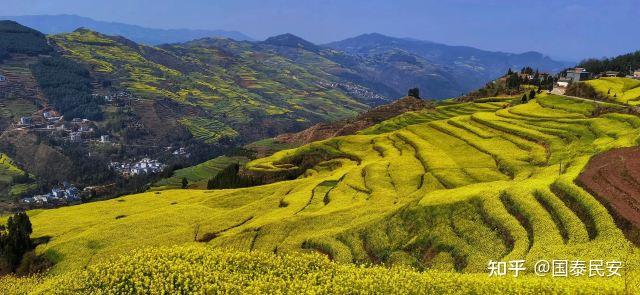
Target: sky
(567,30)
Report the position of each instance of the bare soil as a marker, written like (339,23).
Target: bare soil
(614,178)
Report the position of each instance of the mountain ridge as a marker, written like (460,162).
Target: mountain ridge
(65,23)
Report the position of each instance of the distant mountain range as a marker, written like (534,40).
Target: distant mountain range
(387,65)
(56,24)
(441,70)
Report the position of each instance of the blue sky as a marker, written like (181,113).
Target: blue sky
(569,30)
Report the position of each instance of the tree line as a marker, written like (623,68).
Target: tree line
(623,63)
(230,177)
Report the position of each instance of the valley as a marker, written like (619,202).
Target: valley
(216,163)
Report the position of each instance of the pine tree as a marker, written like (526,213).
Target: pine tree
(414,92)
(15,241)
(185,183)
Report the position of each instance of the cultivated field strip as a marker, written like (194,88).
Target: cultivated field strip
(444,189)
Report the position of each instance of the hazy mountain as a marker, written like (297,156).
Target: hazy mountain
(438,69)
(293,41)
(55,24)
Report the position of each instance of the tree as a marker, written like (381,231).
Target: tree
(524,98)
(414,92)
(532,94)
(185,183)
(230,177)
(15,241)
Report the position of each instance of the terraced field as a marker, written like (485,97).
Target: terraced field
(8,189)
(444,190)
(625,90)
(239,85)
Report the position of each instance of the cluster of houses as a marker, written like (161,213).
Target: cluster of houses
(67,194)
(117,98)
(144,166)
(354,90)
(76,130)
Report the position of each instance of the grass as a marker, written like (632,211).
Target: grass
(208,130)
(442,195)
(625,90)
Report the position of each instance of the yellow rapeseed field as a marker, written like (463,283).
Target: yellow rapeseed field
(431,197)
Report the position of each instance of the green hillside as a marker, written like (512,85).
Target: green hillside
(624,90)
(9,173)
(444,190)
(198,175)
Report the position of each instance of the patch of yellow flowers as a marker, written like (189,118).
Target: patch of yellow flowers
(197,269)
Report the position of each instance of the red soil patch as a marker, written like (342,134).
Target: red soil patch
(614,178)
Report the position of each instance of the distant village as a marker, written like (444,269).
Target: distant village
(64,195)
(353,89)
(144,166)
(76,130)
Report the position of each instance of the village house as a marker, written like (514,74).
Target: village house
(75,136)
(180,152)
(578,74)
(636,74)
(144,166)
(85,128)
(524,76)
(611,74)
(3,78)
(104,138)
(25,121)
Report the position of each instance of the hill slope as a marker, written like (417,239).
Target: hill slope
(450,190)
(219,88)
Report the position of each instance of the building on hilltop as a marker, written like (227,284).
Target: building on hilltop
(577,74)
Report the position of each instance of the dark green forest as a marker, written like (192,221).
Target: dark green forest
(67,86)
(21,40)
(623,63)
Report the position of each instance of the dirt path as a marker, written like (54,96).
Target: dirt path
(614,178)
